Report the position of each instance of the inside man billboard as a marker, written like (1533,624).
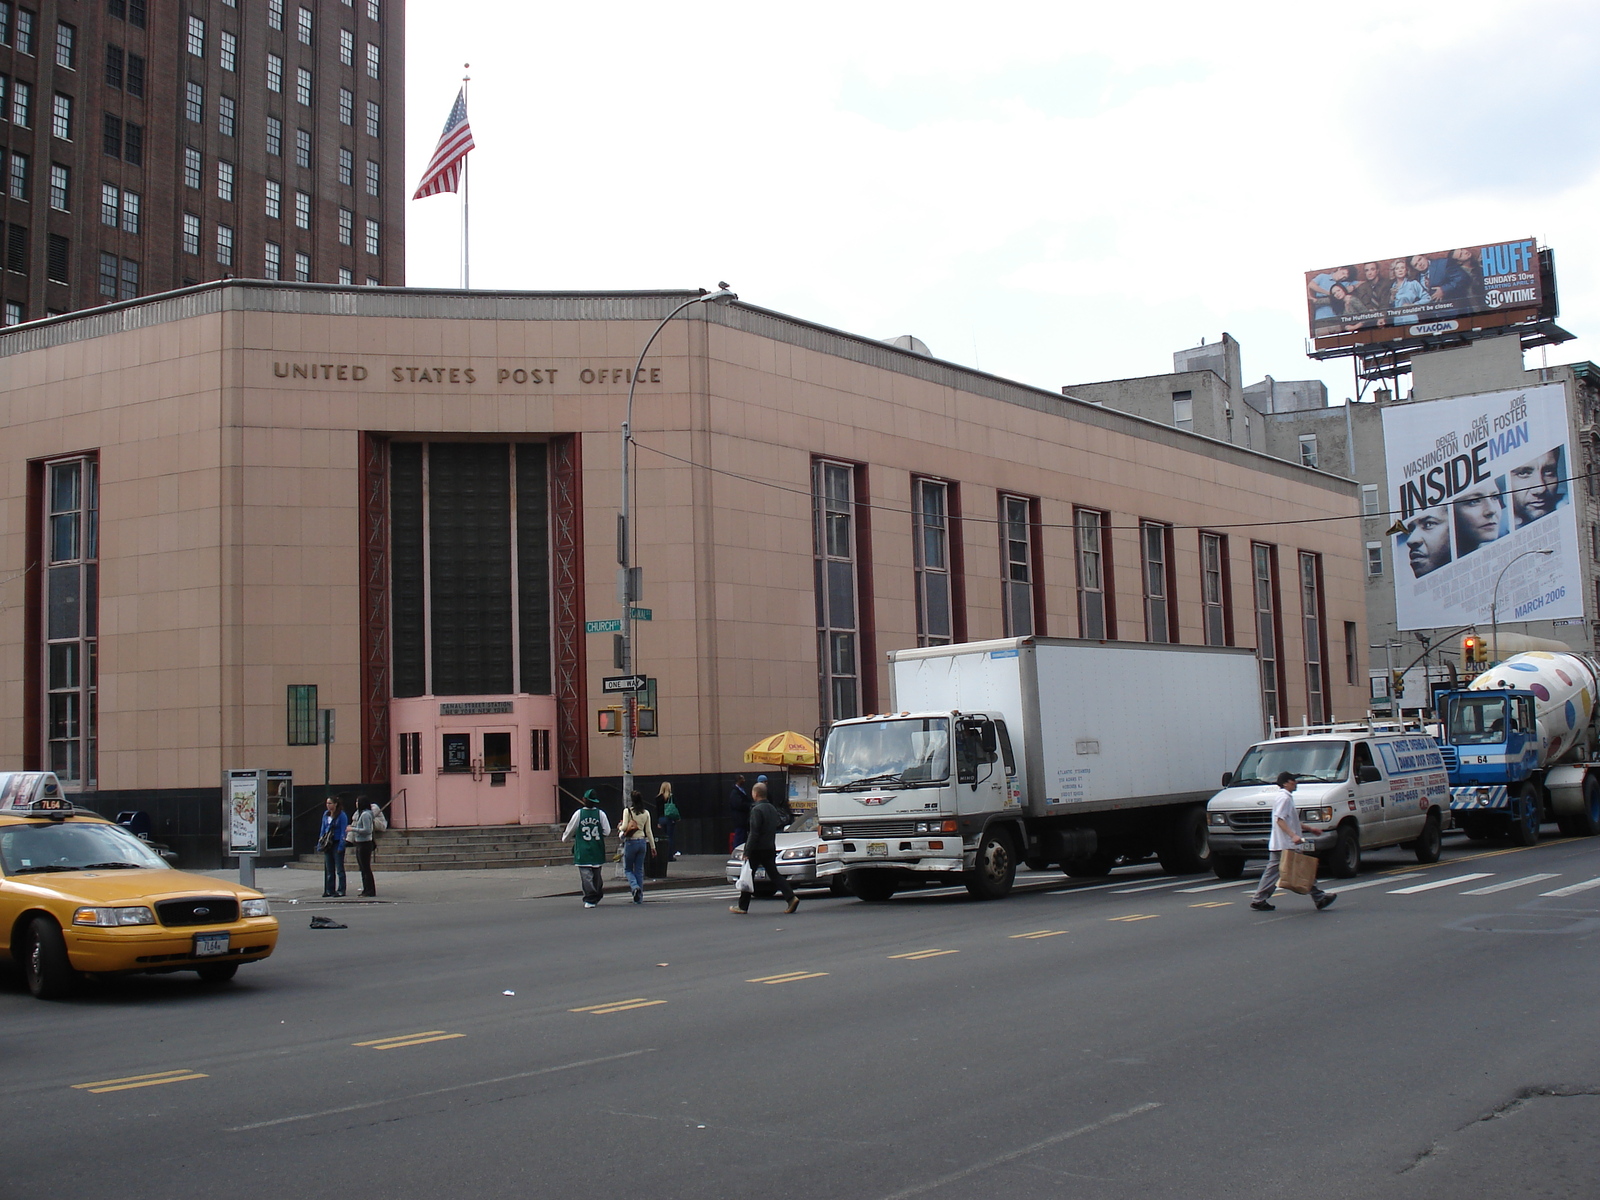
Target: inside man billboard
(1478,481)
(1422,295)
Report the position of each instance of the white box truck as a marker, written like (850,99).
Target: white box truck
(1044,751)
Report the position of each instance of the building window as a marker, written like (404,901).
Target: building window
(372,10)
(1018,571)
(302,715)
(302,268)
(302,148)
(273,260)
(61,117)
(1311,615)
(133,144)
(136,75)
(224,180)
(346,276)
(191,167)
(224,246)
(60,188)
(226,110)
(136,13)
(17,177)
(66,46)
(58,253)
(22,31)
(13,313)
(372,118)
(837,588)
(274,136)
(347,106)
(302,86)
(930,515)
(1264,572)
(229,51)
(108,275)
(347,166)
(302,210)
(69,601)
(373,281)
(275,14)
(1351,659)
(194,102)
(372,61)
(130,212)
(303,27)
(197,37)
(411,753)
(346,222)
(1214,590)
(274,73)
(110,205)
(1183,410)
(17,249)
(111,136)
(274,199)
(116,66)
(372,236)
(22,104)
(130,279)
(1374,560)
(1092,553)
(1308,449)
(372,178)
(1160,622)
(347,48)
(191,234)
(1369,499)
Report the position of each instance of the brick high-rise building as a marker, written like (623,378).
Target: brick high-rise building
(147,145)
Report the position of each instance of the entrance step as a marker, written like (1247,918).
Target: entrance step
(462,848)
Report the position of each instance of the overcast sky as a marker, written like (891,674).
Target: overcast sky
(1053,192)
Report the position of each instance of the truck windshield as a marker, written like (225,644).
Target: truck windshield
(1477,720)
(1309,762)
(897,753)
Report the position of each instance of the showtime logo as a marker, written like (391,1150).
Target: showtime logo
(1511,296)
(1433,327)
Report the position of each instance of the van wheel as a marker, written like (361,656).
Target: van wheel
(1094,867)
(1345,861)
(1525,818)
(45,965)
(995,870)
(1184,848)
(874,887)
(1227,866)
(217,972)
(1427,846)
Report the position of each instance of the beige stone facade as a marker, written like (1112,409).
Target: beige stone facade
(241,433)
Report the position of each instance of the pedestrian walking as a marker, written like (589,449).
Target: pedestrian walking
(670,816)
(589,827)
(761,849)
(362,838)
(1286,835)
(330,840)
(637,838)
(739,803)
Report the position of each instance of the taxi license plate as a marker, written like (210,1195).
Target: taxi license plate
(878,849)
(210,943)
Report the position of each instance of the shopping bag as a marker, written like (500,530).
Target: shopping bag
(747,879)
(1297,872)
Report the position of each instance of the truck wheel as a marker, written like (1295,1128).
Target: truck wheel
(1094,867)
(1428,845)
(1525,818)
(1476,828)
(1587,822)
(1184,849)
(45,965)
(874,887)
(1037,864)
(1345,860)
(995,869)
(1227,866)
(217,972)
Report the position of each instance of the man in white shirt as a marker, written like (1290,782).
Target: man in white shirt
(1286,834)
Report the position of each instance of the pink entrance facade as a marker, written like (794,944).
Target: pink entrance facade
(473,760)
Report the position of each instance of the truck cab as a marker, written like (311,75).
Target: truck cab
(1488,737)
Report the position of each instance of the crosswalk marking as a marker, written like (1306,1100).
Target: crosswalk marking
(1439,883)
(1356,887)
(788,977)
(1040,933)
(616,1006)
(1217,887)
(916,954)
(139,1081)
(1135,917)
(1149,887)
(1509,884)
(1574,889)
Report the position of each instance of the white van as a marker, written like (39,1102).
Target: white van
(1359,787)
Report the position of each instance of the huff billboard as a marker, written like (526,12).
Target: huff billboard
(1424,295)
(1479,482)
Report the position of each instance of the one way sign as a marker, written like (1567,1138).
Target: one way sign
(623,683)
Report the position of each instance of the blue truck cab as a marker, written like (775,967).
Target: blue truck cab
(1491,748)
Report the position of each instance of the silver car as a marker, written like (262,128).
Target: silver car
(797,859)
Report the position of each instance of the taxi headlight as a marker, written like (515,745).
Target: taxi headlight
(1217,818)
(799,852)
(255,908)
(136,914)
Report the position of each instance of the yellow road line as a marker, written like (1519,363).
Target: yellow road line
(1040,933)
(1135,917)
(790,977)
(616,1006)
(915,954)
(1212,904)
(443,1037)
(140,1081)
(399,1037)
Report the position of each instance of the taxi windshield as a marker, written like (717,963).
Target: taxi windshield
(1309,762)
(64,846)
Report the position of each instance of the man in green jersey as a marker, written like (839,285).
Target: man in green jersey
(589,826)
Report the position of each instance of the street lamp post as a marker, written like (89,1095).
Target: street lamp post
(627,576)
(1494,600)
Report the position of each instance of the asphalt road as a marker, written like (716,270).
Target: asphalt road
(1427,1037)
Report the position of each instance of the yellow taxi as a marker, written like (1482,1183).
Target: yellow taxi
(80,895)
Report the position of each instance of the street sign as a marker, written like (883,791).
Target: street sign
(614,625)
(641,614)
(623,683)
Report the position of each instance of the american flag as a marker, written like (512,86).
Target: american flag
(444,169)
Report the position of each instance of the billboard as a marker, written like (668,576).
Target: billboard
(1425,295)
(1479,481)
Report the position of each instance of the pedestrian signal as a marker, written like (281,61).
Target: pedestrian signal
(610,720)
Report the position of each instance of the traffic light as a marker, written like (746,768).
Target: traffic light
(1474,649)
(1397,684)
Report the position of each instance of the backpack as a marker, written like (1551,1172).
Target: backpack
(380,823)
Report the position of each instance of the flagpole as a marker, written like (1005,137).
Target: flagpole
(466,244)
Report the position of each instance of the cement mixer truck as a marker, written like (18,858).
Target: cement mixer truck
(1519,743)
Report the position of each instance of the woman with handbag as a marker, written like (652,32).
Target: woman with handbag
(363,830)
(669,819)
(330,840)
(637,838)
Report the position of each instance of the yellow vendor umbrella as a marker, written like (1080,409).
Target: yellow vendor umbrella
(787,749)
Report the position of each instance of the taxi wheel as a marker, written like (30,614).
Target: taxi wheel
(44,960)
(217,972)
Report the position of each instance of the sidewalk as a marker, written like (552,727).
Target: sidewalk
(449,887)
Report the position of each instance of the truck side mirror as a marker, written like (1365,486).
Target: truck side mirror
(1227,778)
(991,743)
